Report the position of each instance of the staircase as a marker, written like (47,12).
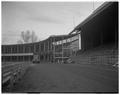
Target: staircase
(106,54)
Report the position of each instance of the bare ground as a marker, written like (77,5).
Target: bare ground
(68,78)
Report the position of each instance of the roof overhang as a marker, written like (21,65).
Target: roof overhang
(96,12)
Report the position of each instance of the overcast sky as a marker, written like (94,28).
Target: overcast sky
(45,18)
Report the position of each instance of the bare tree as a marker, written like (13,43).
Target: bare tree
(19,42)
(33,37)
(27,37)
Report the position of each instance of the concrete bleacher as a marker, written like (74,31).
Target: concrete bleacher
(104,54)
(11,74)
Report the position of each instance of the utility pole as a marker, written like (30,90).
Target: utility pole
(93,6)
(73,21)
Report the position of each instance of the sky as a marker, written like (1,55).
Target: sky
(44,18)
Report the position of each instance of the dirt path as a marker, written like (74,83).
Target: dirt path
(67,78)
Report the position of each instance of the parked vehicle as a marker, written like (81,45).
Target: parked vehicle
(36,58)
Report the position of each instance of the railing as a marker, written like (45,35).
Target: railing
(11,73)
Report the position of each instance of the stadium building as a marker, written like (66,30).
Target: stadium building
(99,29)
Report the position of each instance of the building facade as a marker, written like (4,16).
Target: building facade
(99,28)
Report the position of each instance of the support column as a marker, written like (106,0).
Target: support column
(17,53)
(54,50)
(44,53)
(101,37)
(50,49)
(23,59)
(62,50)
(79,41)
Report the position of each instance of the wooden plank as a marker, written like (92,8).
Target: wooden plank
(6,74)
(6,79)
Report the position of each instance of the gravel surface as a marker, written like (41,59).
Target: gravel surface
(46,78)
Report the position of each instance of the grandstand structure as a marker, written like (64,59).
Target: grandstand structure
(100,28)
(53,49)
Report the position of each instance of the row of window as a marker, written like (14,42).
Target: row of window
(27,48)
(16,58)
(30,48)
(17,49)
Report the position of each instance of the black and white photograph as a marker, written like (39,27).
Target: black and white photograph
(59,47)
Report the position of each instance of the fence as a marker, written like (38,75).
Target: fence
(11,74)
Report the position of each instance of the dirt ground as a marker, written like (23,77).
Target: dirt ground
(46,78)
